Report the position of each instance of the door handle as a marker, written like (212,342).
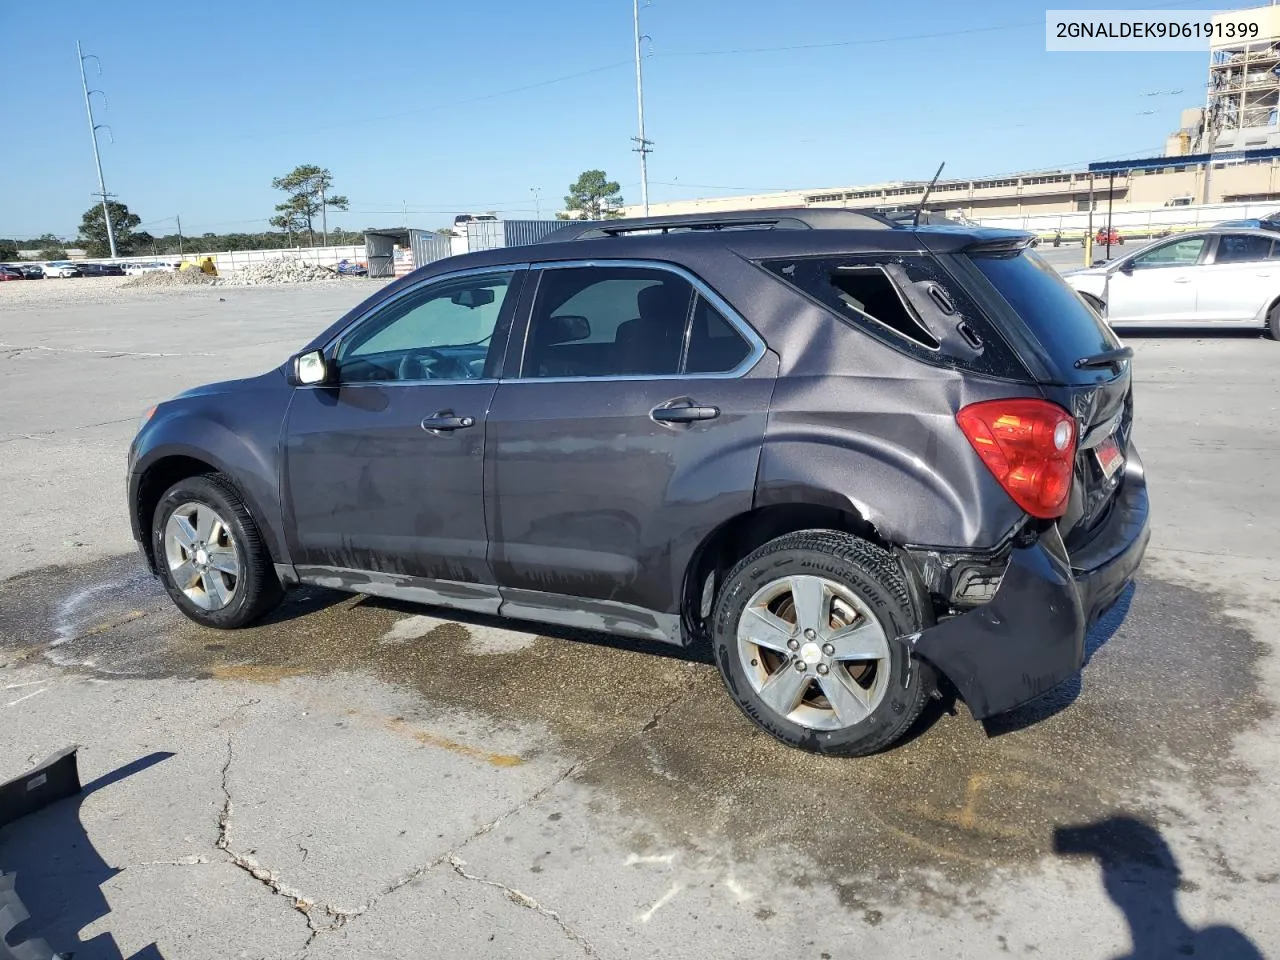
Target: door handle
(682,411)
(1181,279)
(445,420)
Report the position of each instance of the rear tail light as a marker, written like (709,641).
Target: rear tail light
(1030,446)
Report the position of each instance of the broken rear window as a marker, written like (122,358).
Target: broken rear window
(908,301)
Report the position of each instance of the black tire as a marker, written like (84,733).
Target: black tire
(1272,329)
(874,576)
(257,589)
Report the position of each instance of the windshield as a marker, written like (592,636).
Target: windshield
(1055,315)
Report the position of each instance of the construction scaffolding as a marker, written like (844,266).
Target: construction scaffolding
(1242,108)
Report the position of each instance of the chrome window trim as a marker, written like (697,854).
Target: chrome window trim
(735,319)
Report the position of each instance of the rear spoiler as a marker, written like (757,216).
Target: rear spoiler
(1009,243)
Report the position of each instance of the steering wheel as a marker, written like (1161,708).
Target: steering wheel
(428,363)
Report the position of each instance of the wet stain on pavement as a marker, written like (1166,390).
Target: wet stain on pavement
(1163,695)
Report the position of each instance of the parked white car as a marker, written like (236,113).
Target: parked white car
(1212,278)
(60,269)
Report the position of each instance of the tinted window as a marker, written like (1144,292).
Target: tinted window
(714,345)
(1065,327)
(1239,247)
(1179,253)
(607,321)
(439,332)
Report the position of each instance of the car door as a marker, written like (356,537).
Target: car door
(1158,285)
(1240,280)
(383,471)
(631,429)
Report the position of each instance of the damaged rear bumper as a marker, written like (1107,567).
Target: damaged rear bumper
(1030,636)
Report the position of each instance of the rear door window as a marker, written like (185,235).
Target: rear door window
(626,321)
(1054,314)
(1242,248)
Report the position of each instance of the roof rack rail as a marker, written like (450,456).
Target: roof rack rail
(790,218)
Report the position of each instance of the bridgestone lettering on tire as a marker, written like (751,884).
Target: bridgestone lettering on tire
(805,635)
(210,555)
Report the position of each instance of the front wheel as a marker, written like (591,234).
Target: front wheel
(1272,328)
(210,554)
(805,633)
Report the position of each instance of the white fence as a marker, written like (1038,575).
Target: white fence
(1134,222)
(230,262)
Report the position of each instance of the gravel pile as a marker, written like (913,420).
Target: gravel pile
(161,278)
(277,271)
(269,272)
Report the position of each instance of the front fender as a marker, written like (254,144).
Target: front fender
(237,436)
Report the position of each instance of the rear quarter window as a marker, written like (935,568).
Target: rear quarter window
(908,301)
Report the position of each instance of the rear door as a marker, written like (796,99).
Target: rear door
(631,429)
(1240,279)
(1157,286)
(1063,331)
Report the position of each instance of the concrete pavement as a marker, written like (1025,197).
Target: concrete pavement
(361,778)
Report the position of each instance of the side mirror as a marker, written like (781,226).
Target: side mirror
(309,369)
(1126,268)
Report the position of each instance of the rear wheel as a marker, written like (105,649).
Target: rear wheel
(210,554)
(805,633)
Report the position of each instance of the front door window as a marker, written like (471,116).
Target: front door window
(441,332)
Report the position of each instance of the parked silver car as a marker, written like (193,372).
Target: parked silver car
(1218,277)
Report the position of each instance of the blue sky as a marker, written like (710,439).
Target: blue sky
(419,103)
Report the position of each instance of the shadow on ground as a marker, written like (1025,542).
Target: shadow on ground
(1068,692)
(58,878)
(1142,878)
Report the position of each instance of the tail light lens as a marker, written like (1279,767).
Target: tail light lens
(1030,446)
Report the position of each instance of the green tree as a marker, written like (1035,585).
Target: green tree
(592,197)
(8,250)
(308,188)
(93,231)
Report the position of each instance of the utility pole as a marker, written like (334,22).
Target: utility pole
(643,146)
(93,135)
(324,217)
(537,202)
(179,219)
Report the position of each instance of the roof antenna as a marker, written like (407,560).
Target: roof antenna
(927,191)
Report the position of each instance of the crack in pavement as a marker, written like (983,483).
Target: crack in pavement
(522,899)
(13,350)
(340,917)
(299,901)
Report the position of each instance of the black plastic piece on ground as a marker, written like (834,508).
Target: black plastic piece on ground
(53,780)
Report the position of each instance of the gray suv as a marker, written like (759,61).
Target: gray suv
(859,460)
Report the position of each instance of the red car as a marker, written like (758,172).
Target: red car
(11,273)
(1103,239)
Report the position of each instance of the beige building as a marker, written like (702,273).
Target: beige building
(1180,182)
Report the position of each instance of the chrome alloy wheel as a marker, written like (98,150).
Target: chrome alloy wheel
(814,652)
(201,555)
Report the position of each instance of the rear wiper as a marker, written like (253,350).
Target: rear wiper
(1107,358)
